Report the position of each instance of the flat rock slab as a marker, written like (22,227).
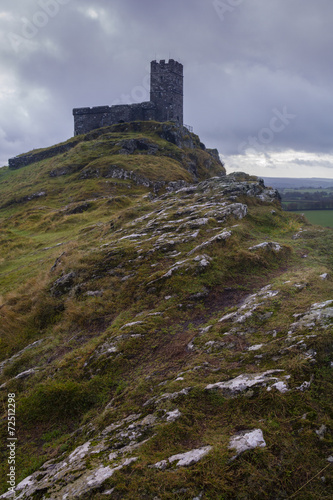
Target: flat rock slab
(247,440)
(184,459)
(246,381)
(267,245)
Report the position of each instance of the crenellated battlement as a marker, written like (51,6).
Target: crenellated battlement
(172,65)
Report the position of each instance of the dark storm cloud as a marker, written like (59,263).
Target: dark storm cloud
(244,62)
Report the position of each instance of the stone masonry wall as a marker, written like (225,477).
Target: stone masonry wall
(166,102)
(86,119)
(23,160)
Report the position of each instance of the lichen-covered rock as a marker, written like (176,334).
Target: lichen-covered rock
(156,400)
(319,314)
(224,236)
(247,440)
(267,245)
(246,381)
(251,303)
(129,146)
(184,459)
(112,451)
(19,354)
(63,284)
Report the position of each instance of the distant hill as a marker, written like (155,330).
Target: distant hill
(295,183)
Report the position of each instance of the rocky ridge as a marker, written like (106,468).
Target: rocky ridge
(210,338)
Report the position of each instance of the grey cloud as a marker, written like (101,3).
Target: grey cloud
(314,163)
(261,56)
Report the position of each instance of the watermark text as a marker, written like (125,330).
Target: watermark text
(138,94)
(225,7)
(31,27)
(266,135)
(11,444)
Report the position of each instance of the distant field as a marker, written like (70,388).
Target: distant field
(321,217)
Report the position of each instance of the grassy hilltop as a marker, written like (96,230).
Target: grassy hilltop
(166,329)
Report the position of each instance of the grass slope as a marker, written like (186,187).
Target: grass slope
(112,296)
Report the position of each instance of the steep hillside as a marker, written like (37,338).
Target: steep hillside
(100,176)
(166,329)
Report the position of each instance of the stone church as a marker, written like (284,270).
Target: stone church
(166,102)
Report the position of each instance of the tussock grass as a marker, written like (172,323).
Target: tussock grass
(41,242)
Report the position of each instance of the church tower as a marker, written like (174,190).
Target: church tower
(166,90)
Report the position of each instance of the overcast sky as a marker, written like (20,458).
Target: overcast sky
(258,73)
